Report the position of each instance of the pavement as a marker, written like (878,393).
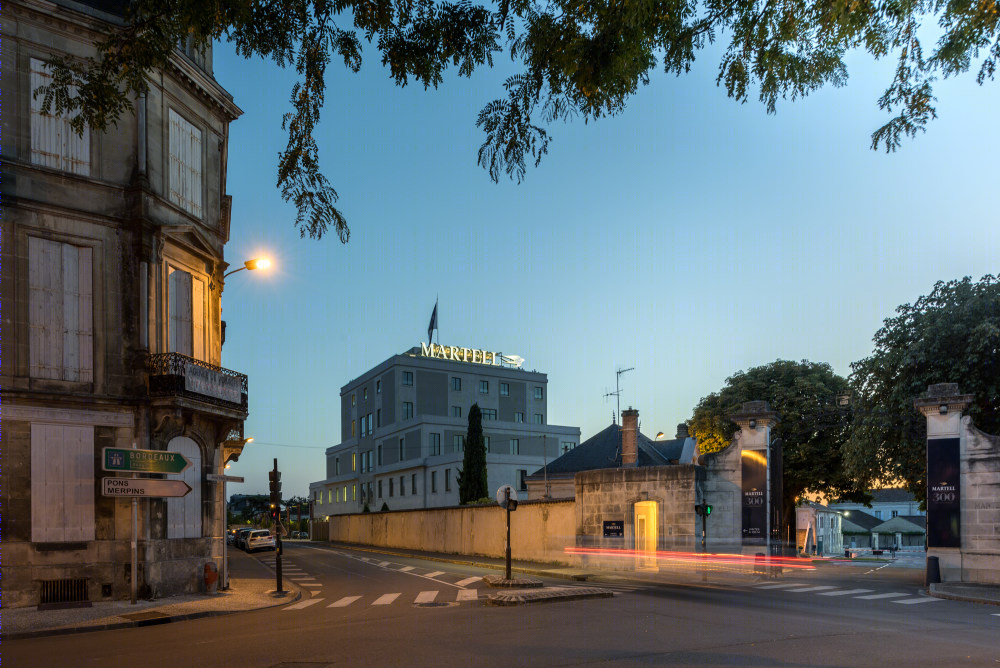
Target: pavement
(252,587)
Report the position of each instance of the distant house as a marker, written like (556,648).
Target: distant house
(818,529)
(603,451)
(886,503)
(856,526)
(900,532)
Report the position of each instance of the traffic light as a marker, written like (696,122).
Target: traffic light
(275,478)
(708,509)
(703,509)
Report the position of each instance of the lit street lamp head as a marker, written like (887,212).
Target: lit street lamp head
(257,263)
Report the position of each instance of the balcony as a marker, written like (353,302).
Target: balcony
(178,376)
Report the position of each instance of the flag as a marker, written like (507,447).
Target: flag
(434,322)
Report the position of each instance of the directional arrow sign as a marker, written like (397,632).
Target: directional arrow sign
(129,487)
(144,461)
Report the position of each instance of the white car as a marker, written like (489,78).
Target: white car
(260,539)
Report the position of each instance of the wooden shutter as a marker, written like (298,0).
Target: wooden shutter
(185,164)
(179,304)
(60,311)
(53,142)
(62,483)
(184,513)
(198,319)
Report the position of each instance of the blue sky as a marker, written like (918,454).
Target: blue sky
(690,237)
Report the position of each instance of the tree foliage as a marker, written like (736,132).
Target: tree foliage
(949,336)
(571,58)
(813,425)
(472,483)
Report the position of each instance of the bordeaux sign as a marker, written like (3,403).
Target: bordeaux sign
(472,355)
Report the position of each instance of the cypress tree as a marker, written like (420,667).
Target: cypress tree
(472,478)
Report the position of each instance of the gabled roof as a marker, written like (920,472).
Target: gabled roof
(891,495)
(603,451)
(898,524)
(857,521)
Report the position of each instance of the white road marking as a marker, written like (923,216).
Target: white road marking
(385,599)
(845,592)
(873,597)
(467,581)
(307,578)
(303,604)
(467,595)
(779,586)
(805,589)
(921,599)
(383,564)
(434,574)
(344,602)
(426,597)
(406,569)
(996,614)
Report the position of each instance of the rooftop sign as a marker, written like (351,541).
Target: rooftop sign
(473,355)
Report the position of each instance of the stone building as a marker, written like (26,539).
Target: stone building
(112,268)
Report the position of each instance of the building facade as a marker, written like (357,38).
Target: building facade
(112,267)
(886,503)
(404,422)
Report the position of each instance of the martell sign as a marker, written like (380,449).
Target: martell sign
(472,355)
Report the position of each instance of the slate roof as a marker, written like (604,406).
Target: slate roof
(603,451)
(857,521)
(892,495)
(898,524)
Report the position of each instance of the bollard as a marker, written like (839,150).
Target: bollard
(211,577)
(933,571)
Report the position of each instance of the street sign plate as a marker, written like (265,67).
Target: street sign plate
(215,477)
(136,487)
(143,461)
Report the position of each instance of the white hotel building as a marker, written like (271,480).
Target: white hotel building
(403,427)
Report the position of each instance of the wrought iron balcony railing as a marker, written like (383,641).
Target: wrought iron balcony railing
(173,374)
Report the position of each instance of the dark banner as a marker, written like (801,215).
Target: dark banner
(614,528)
(754,491)
(944,527)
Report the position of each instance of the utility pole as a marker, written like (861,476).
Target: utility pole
(275,480)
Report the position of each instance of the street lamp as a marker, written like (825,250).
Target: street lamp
(256,263)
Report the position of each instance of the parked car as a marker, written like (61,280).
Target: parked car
(241,534)
(260,539)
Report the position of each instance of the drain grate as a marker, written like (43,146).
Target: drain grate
(66,593)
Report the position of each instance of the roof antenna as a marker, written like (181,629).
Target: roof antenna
(618,392)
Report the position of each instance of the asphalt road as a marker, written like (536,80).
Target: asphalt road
(365,609)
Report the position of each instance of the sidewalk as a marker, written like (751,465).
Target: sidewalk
(251,586)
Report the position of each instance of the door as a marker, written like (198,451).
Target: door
(646,535)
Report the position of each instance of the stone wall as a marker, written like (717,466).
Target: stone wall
(722,489)
(980,470)
(610,495)
(539,530)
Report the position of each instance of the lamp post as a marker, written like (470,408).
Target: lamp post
(256,263)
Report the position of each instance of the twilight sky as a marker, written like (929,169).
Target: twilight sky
(690,237)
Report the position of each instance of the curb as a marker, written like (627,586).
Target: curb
(510,598)
(960,597)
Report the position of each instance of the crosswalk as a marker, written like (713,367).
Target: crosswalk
(903,598)
(436,596)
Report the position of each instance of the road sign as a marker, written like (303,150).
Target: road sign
(136,487)
(215,477)
(144,461)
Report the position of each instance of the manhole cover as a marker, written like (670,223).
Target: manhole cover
(435,604)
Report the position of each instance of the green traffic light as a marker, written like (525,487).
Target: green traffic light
(708,509)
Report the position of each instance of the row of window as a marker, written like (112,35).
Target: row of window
(364,393)
(389,484)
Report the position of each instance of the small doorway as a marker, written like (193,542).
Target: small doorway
(646,535)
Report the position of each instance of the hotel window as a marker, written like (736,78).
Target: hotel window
(486,442)
(354,492)
(895,513)
(345,493)
(491,414)
(364,394)
(380,455)
(402,453)
(354,428)
(456,411)
(567,446)
(538,418)
(380,489)
(407,378)
(391,481)
(336,466)
(456,383)
(407,410)
(402,490)
(378,417)
(60,313)
(413,483)
(434,482)
(185,164)
(504,389)
(354,461)
(458,443)
(484,387)
(538,393)
(518,417)
(515,446)
(354,399)
(447,480)
(378,387)
(53,142)
(435,440)
(522,479)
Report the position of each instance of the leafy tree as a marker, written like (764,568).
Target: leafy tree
(472,477)
(572,58)
(949,336)
(813,426)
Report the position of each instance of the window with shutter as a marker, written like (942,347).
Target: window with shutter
(60,311)
(186,302)
(184,513)
(53,142)
(62,483)
(185,164)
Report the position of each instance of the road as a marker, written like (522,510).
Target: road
(363,608)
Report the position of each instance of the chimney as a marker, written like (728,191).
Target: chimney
(630,423)
(682,430)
